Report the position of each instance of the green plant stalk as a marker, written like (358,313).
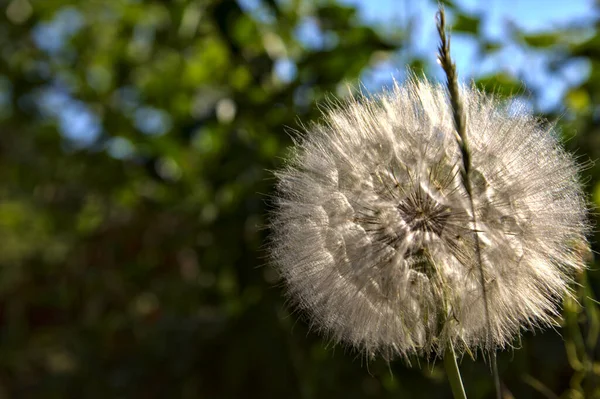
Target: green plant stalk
(453,373)
(496,375)
(461,137)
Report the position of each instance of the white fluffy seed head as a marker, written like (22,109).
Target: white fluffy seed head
(373,232)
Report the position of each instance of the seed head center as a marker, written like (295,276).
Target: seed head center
(422,213)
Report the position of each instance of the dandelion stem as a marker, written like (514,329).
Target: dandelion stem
(458,390)
(496,376)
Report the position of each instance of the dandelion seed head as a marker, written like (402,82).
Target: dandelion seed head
(374,236)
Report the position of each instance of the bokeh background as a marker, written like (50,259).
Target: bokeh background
(135,142)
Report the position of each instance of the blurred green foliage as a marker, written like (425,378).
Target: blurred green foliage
(135,139)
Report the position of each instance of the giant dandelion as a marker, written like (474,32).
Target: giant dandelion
(400,235)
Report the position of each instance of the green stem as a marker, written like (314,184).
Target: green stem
(458,391)
(496,375)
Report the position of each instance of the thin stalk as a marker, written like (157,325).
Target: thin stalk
(453,373)
(461,137)
(496,376)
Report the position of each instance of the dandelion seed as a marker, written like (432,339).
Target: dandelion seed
(373,229)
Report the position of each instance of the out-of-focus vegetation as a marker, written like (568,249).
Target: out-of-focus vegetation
(134,139)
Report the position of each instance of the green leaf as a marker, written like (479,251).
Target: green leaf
(466,23)
(541,40)
(501,85)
